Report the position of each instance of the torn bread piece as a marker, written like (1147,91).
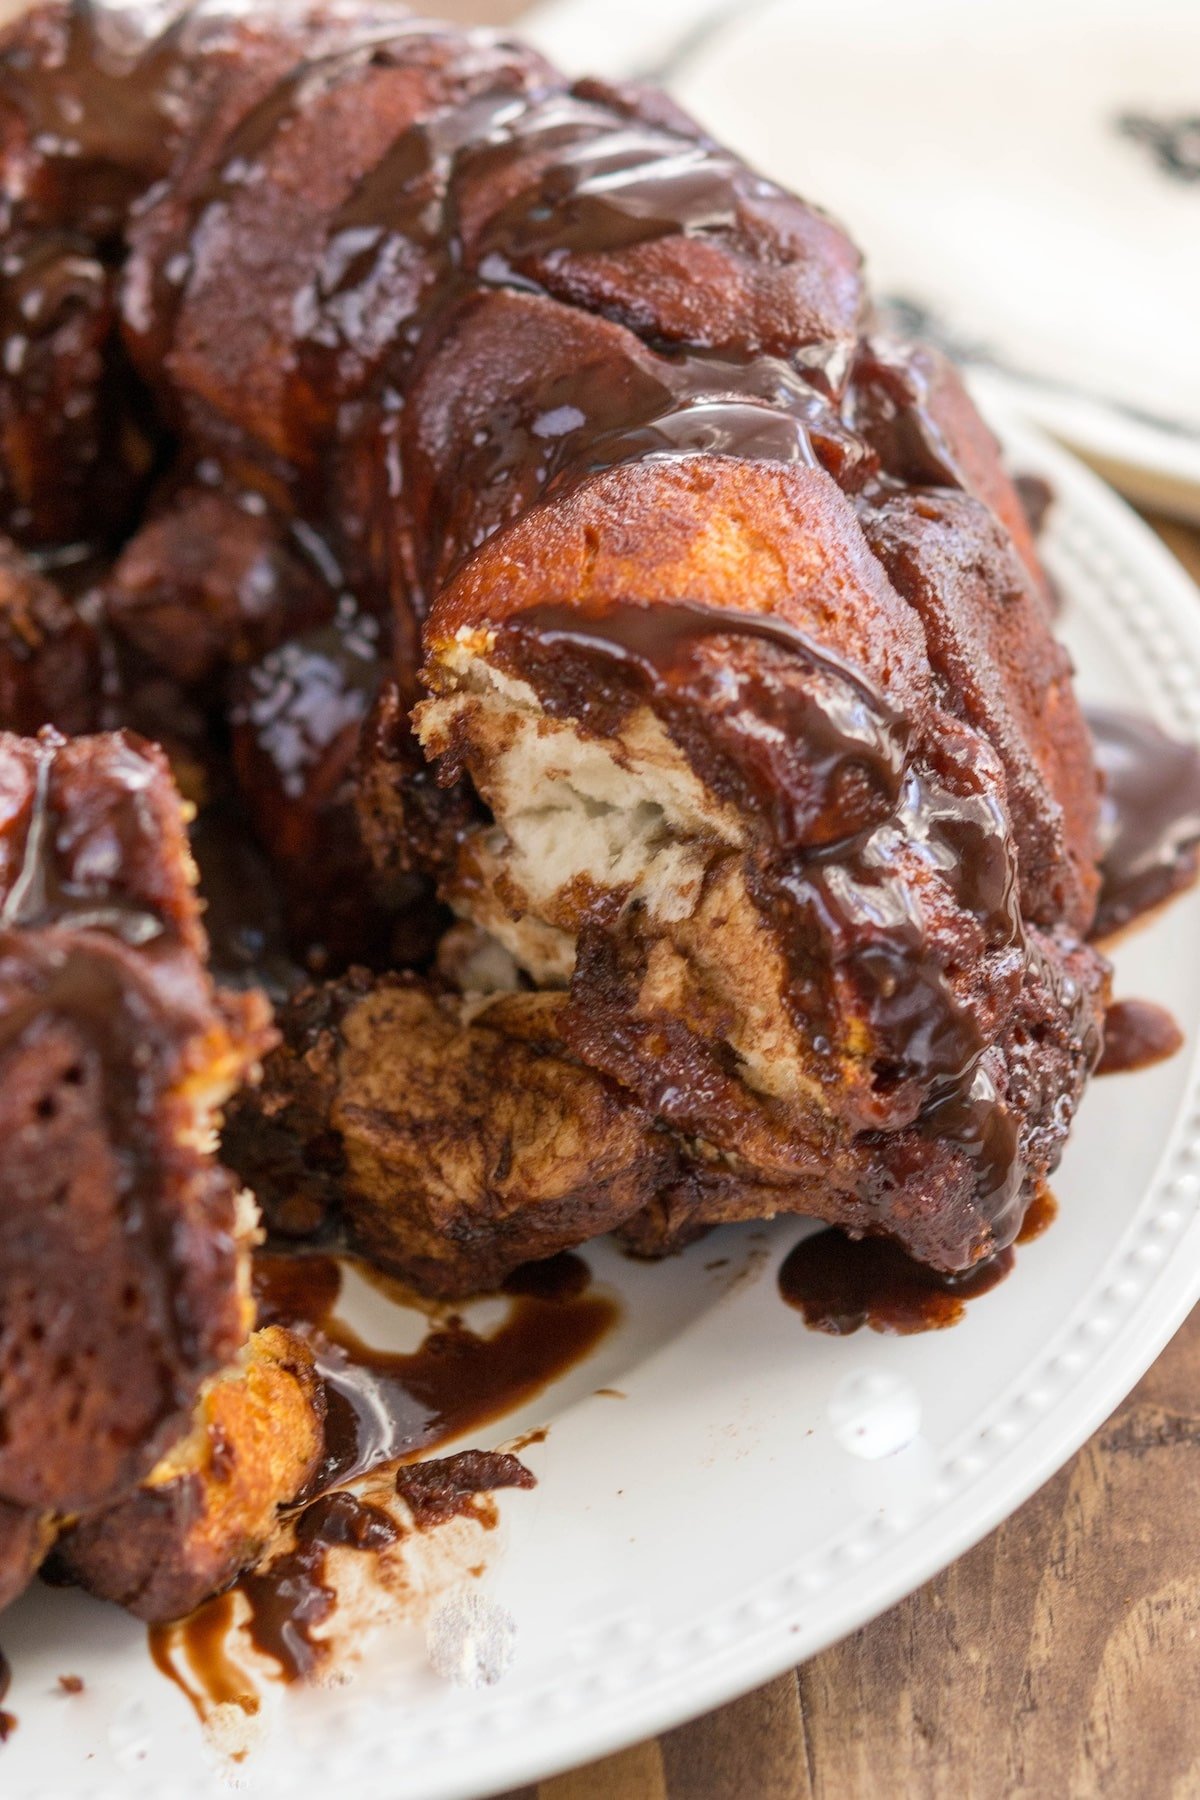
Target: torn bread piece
(729,814)
(454,1138)
(205,1511)
(124,1245)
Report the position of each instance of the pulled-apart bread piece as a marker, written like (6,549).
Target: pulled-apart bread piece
(205,1511)
(123,1242)
(457,1140)
(759,843)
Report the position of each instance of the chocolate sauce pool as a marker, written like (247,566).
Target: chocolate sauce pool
(398,1404)
(386,1409)
(840,1284)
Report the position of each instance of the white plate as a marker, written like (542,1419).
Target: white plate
(1015,170)
(709,1530)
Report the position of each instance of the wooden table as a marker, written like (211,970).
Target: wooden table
(1058,1660)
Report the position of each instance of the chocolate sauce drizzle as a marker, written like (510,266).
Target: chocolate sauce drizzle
(386,1405)
(813,713)
(42,894)
(290,1598)
(828,765)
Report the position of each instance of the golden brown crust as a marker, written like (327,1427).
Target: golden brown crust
(205,1512)
(744,537)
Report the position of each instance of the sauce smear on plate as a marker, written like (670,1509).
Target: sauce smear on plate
(384,1408)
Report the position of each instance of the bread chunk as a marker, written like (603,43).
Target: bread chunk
(123,1243)
(205,1511)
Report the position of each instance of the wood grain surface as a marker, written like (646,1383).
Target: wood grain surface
(1058,1660)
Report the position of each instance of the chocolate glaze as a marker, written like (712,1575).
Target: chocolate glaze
(562,1277)
(843,744)
(290,1597)
(295,1290)
(448,1487)
(1137,1034)
(195,1656)
(363,233)
(888,404)
(62,477)
(1150,815)
(607,189)
(44,893)
(243,912)
(304,700)
(616,403)
(404,247)
(1040,1214)
(296,717)
(383,1408)
(102,108)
